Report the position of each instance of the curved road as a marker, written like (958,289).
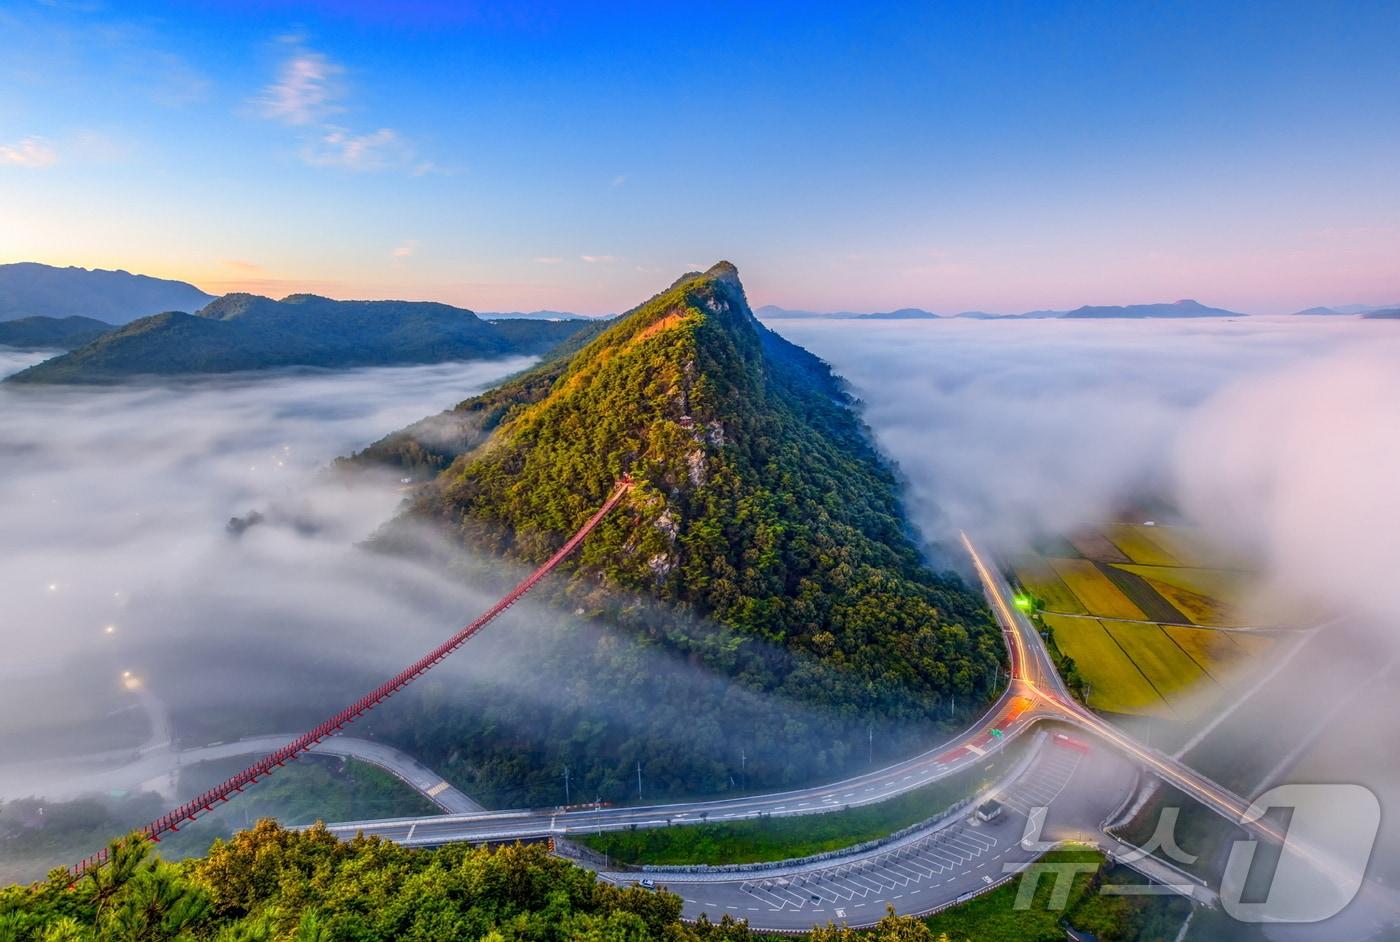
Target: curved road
(1036,693)
(1065,790)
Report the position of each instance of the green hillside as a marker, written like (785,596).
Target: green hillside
(248,332)
(760,500)
(51,333)
(759,590)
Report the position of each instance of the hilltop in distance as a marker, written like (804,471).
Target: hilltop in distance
(250,332)
(29,289)
(1184,308)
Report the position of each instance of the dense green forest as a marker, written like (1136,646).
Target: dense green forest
(756,614)
(249,332)
(268,883)
(760,501)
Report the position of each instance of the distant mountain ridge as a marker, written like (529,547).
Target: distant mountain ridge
(29,289)
(1184,308)
(539,316)
(1350,310)
(51,333)
(249,332)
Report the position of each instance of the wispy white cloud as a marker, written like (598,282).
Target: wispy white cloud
(306,91)
(599,259)
(618,181)
(31,152)
(383,149)
(405,248)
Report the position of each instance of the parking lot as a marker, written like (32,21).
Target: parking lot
(918,874)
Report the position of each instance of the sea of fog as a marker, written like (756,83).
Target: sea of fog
(118,570)
(1279,435)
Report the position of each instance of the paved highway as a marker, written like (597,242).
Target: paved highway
(1067,790)
(1022,705)
(1008,715)
(1035,693)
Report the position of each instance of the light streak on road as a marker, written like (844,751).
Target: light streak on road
(1216,797)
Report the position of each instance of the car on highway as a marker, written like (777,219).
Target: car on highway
(647,884)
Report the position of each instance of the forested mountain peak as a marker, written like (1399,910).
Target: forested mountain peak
(759,502)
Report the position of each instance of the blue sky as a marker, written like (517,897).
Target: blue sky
(860,156)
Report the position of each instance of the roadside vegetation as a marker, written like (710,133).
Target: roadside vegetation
(782,838)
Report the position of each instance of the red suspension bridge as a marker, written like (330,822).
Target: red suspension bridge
(173,820)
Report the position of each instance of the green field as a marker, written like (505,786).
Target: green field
(1156,597)
(1036,573)
(1095,591)
(1170,670)
(1140,544)
(1217,652)
(1115,683)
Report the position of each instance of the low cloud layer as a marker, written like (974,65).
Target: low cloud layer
(121,573)
(1011,428)
(1298,470)
(115,506)
(1279,437)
